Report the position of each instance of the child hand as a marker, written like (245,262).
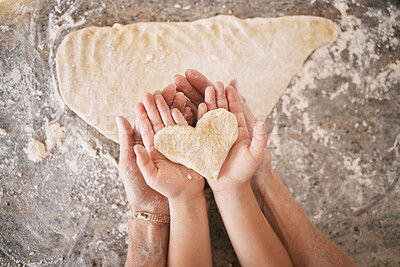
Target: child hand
(170,179)
(246,154)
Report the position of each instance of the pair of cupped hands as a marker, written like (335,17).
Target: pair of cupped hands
(150,179)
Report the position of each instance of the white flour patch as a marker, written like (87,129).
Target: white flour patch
(357,40)
(35,150)
(15,76)
(379,87)
(321,135)
(54,134)
(395,145)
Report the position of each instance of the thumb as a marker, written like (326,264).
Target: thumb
(145,164)
(250,119)
(126,139)
(259,141)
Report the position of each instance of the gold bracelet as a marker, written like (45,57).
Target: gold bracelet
(147,216)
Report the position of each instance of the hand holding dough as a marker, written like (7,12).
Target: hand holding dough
(167,178)
(204,148)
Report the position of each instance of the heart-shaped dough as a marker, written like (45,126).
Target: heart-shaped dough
(204,148)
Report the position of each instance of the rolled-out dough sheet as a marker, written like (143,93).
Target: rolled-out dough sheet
(104,71)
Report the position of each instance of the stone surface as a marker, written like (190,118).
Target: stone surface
(334,134)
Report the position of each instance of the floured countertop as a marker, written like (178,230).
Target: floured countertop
(334,134)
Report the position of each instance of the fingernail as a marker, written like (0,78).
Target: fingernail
(176,74)
(171,84)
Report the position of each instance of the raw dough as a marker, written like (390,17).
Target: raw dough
(104,71)
(54,134)
(204,148)
(35,150)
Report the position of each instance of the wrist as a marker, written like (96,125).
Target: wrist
(189,210)
(152,210)
(262,177)
(187,200)
(238,189)
(235,199)
(148,228)
(159,205)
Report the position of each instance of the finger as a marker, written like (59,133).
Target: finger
(145,164)
(197,80)
(222,102)
(169,93)
(164,110)
(248,115)
(179,102)
(188,115)
(193,108)
(209,98)
(202,110)
(146,130)
(126,139)
(156,92)
(182,85)
(235,84)
(235,108)
(259,141)
(178,117)
(136,133)
(152,112)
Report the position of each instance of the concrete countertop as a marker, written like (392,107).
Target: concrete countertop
(334,134)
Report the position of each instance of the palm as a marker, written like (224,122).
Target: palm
(174,180)
(139,194)
(237,168)
(245,155)
(194,85)
(170,179)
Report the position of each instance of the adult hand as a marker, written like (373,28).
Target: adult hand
(140,196)
(194,85)
(175,99)
(172,180)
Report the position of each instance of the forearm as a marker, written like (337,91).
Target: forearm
(305,244)
(148,243)
(189,235)
(253,239)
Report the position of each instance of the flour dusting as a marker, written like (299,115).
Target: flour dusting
(35,150)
